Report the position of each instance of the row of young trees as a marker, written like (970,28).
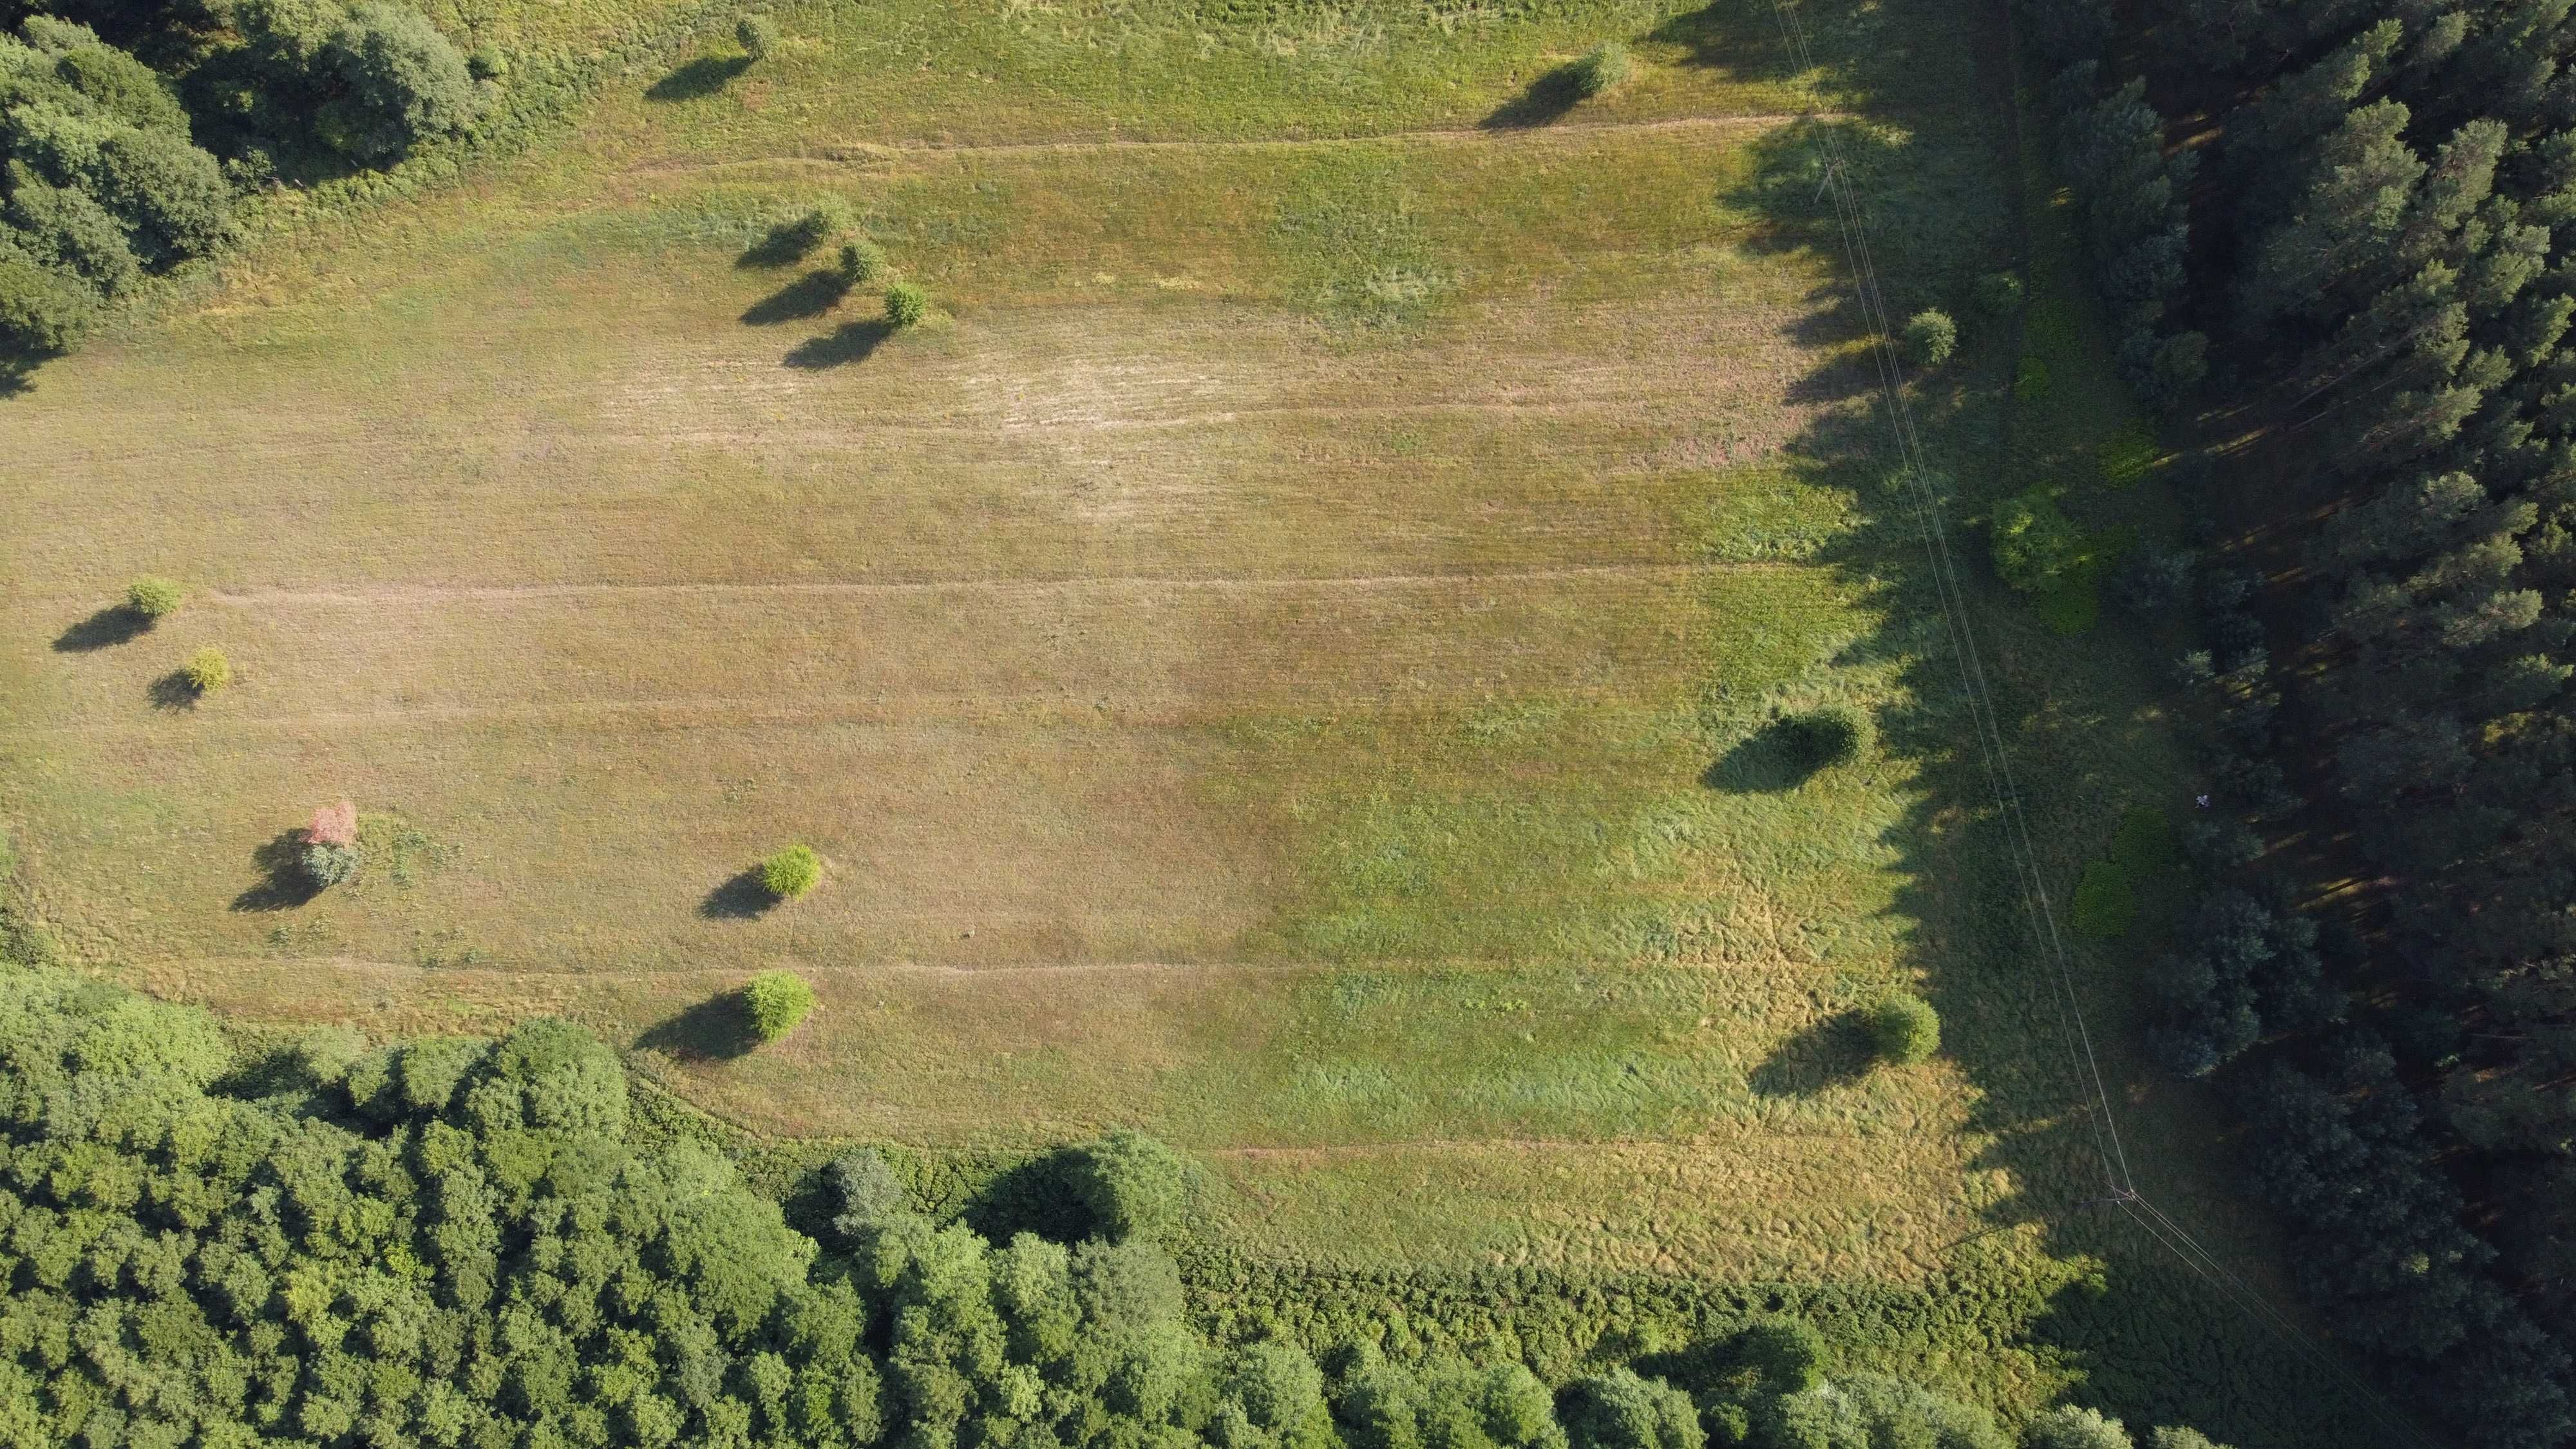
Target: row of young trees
(127,132)
(460,1243)
(2379,245)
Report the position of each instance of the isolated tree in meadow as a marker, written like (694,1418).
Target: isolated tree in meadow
(906,305)
(861,261)
(1904,1030)
(757,35)
(1600,68)
(153,597)
(208,671)
(776,1001)
(791,872)
(1837,734)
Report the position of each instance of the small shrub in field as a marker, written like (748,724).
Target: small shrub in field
(1835,735)
(861,261)
(1930,338)
(153,596)
(1600,68)
(1999,294)
(791,872)
(800,234)
(1904,1030)
(758,36)
(1132,1184)
(208,670)
(329,865)
(906,305)
(2034,544)
(777,1001)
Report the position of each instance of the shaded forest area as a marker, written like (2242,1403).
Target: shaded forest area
(2336,237)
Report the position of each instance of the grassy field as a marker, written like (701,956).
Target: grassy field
(1290,657)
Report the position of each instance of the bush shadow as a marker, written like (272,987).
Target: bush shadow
(784,244)
(1830,1052)
(745,897)
(718,1029)
(174,692)
(283,885)
(1773,759)
(1548,99)
(116,624)
(699,78)
(810,295)
(1036,1196)
(848,343)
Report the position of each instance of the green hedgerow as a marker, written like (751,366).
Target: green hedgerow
(776,1001)
(906,305)
(153,596)
(1600,68)
(1999,294)
(861,261)
(757,35)
(791,872)
(1930,338)
(1904,1030)
(1834,735)
(208,670)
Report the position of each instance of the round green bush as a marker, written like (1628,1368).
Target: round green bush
(1834,735)
(776,1001)
(1930,338)
(208,670)
(758,36)
(1999,294)
(1904,1030)
(2034,544)
(327,865)
(153,596)
(791,872)
(906,305)
(1600,68)
(1787,1352)
(861,261)
(1132,1185)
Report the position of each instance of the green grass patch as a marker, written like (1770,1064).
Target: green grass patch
(2128,455)
(2105,906)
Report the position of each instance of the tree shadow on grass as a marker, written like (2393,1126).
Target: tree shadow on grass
(1773,759)
(1829,1053)
(1036,1196)
(717,1029)
(848,343)
(174,691)
(1547,100)
(704,76)
(283,885)
(743,898)
(810,295)
(116,624)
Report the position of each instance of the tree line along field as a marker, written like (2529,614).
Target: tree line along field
(1289,656)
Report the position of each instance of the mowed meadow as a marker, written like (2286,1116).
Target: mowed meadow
(1290,656)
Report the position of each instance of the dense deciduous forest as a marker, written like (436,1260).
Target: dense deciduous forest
(112,168)
(457,1242)
(2356,215)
